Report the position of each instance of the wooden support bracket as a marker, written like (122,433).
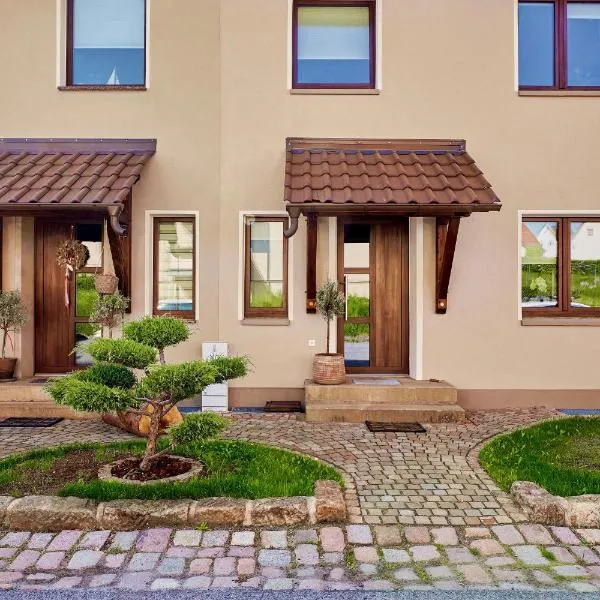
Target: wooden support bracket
(120,248)
(311,263)
(446,236)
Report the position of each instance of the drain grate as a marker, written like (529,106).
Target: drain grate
(28,422)
(395,427)
(284,406)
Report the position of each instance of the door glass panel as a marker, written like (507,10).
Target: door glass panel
(84,332)
(85,294)
(91,235)
(585,264)
(539,283)
(356,344)
(357,295)
(356,246)
(583,44)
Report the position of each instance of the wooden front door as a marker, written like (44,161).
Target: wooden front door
(373,270)
(60,326)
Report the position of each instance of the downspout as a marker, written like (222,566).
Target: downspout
(114,212)
(292,228)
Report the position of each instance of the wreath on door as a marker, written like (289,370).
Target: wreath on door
(72,256)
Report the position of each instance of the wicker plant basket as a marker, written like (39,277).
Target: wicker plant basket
(106,283)
(328,369)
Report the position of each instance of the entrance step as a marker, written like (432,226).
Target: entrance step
(361,412)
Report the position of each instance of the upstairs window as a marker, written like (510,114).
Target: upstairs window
(334,44)
(560,267)
(106,43)
(559,45)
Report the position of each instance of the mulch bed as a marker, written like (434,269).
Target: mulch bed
(162,467)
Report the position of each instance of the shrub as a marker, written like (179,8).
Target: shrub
(13,315)
(196,428)
(109,310)
(109,374)
(88,396)
(123,352)
(157,332)
(229,367)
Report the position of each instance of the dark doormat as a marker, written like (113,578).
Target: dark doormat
(395,427)
(38,380)
(28,422)
(284,406)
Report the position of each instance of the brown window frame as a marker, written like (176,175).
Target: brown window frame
(560,47)
(189,315)
(563,270)
(371,5)
(70,48)
(253,312)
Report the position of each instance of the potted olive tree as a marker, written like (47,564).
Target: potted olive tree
(328,368)
(109,310)
(13,316)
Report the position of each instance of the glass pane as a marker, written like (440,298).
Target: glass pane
(357,295)
(266,264)
(334,45)
(108,42)
(91,235)
(85,294)
(175,266)
(585,264)
(536,43)
(539,251)
(356,344)
(583,44)
(356,246)
(84,332)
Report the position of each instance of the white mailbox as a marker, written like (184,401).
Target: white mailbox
(215,397)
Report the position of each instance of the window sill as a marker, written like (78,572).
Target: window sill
(334,92)
(265,322)
(561,321)
(102,88)
(560,93)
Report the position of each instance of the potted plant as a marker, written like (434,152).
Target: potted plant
(106,283)
(328,368)
(109,310)
(13,316)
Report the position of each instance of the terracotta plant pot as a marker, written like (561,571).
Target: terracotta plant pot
(329,369)
(7,368)
(106,283)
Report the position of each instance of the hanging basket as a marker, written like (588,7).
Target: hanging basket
(329,369)
(106,283)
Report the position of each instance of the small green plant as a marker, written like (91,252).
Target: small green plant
(157,332)
(197,428)
(547,554)
(330,304)
(109,310)
(350,560)
(202,527)
(13,316)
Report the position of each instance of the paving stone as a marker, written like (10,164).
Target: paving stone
(487,547)
(214,552)
(508,534)
(241,551)
(253,582)
(366,554)
(246,566)
(474,574)
(405,575)
(201,566)
(388,535)
(6,553)
(272,572)
(172,566)
(367,569)
(303,536)
(102,581)
(214,538)
(580,586)
(591,536)
(124,540)
(442,572)
(67,583)
(135,581)
(197,583)
(500,561)
(94,540)
(163,583)
(316,585)
(571,571)
(562,554)
(542,577)
(181,552)
(333,558)
(536,534)
(274,558)
(24,560)
(224,582)
(530,555)
(243,538)
(359,534)
(84,559)
(41,577)
(153,540)
(65,540)
(445,536)
(307,554)
(224,566)
(15,539)
(39,541)
(565,535)
(144,561)
(114,561)
(460,555)
(332,539)
(273,539)
(477,532)
(6,578)
(586,555)
(187,537)
(395,556)
(279,584)
(424,553)
(50,561)
(510,575)
(417,535)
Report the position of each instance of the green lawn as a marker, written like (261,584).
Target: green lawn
(562,456)
(234,468)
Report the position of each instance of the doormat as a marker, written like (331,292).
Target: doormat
(26,422)
(39,380)
(395,427)
(368,381)
(284,406)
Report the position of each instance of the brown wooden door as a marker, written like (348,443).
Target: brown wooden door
(54,332)
(373,270)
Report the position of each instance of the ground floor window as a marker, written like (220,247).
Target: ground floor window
(560,266)
(265,267)
(174,266)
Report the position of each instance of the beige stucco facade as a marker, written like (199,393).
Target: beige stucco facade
(219,104)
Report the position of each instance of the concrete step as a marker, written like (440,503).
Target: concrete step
(364,411)
(41,409)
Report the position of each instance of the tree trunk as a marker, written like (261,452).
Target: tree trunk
(153,433)
(328,326)
(161,357)
(4,333)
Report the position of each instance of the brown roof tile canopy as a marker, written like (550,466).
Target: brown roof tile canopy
(385,172)
(70,173)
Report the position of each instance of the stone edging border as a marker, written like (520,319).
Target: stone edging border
(547,509)
(54,514)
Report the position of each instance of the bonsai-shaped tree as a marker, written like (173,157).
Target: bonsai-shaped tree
(109,310)
(13,315)
(331,303)
(111,384)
